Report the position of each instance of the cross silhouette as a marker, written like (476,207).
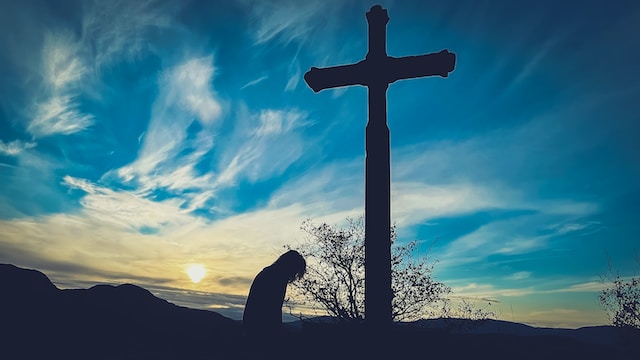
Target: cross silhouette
(376,72)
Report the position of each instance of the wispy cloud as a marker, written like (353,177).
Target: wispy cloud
(490,171)
(278,122)
(70,62)
(128,210)
(289,20)
(62,63)
(294,78)
(520,275)
(535,62)
(541,286)
(15,147)
(59,115)
(489,291)
(501,157)
(262,145)
(416,202)
(169,155)
(583,228)
(63,68)
(189,88)
(254,82)
(510,237)
(116,30)
(589,287)
(336,186)
(181,137)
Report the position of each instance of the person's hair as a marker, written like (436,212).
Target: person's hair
(292,263)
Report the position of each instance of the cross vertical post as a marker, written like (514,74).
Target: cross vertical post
(376,72)
(377,215)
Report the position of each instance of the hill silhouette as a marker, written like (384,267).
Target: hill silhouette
(40,321)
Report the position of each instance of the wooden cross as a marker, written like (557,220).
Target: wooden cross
(376,72)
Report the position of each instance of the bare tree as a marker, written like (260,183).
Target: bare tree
(468,308)
(621,300)
(334,281)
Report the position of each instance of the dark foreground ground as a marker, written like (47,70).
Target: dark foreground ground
(414,343)
(40,321)
(324,342)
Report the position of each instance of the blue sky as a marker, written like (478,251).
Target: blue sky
(137,138)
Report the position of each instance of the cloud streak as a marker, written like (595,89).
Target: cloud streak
(15,147)
(63,69)
(254,82)
(117,30)
(289,20)
(169,155)
(262,145)
(70,63)
(59,115)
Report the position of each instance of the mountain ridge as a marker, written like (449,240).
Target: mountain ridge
(129,322)
(117,319)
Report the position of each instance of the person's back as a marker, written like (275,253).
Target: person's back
(262,318)
(263,310)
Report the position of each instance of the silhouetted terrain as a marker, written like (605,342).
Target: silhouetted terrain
(40,321)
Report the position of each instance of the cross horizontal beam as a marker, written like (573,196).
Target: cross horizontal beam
(381,71)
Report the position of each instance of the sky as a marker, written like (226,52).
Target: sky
(138,138)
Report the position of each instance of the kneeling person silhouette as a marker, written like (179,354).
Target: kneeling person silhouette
(262,318)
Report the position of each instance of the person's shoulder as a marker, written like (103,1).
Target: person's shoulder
(266,272)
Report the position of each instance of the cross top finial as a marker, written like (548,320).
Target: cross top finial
(378,14)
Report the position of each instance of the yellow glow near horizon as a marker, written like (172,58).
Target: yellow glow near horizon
(196,272)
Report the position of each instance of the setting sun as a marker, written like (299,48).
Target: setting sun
(196,272)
